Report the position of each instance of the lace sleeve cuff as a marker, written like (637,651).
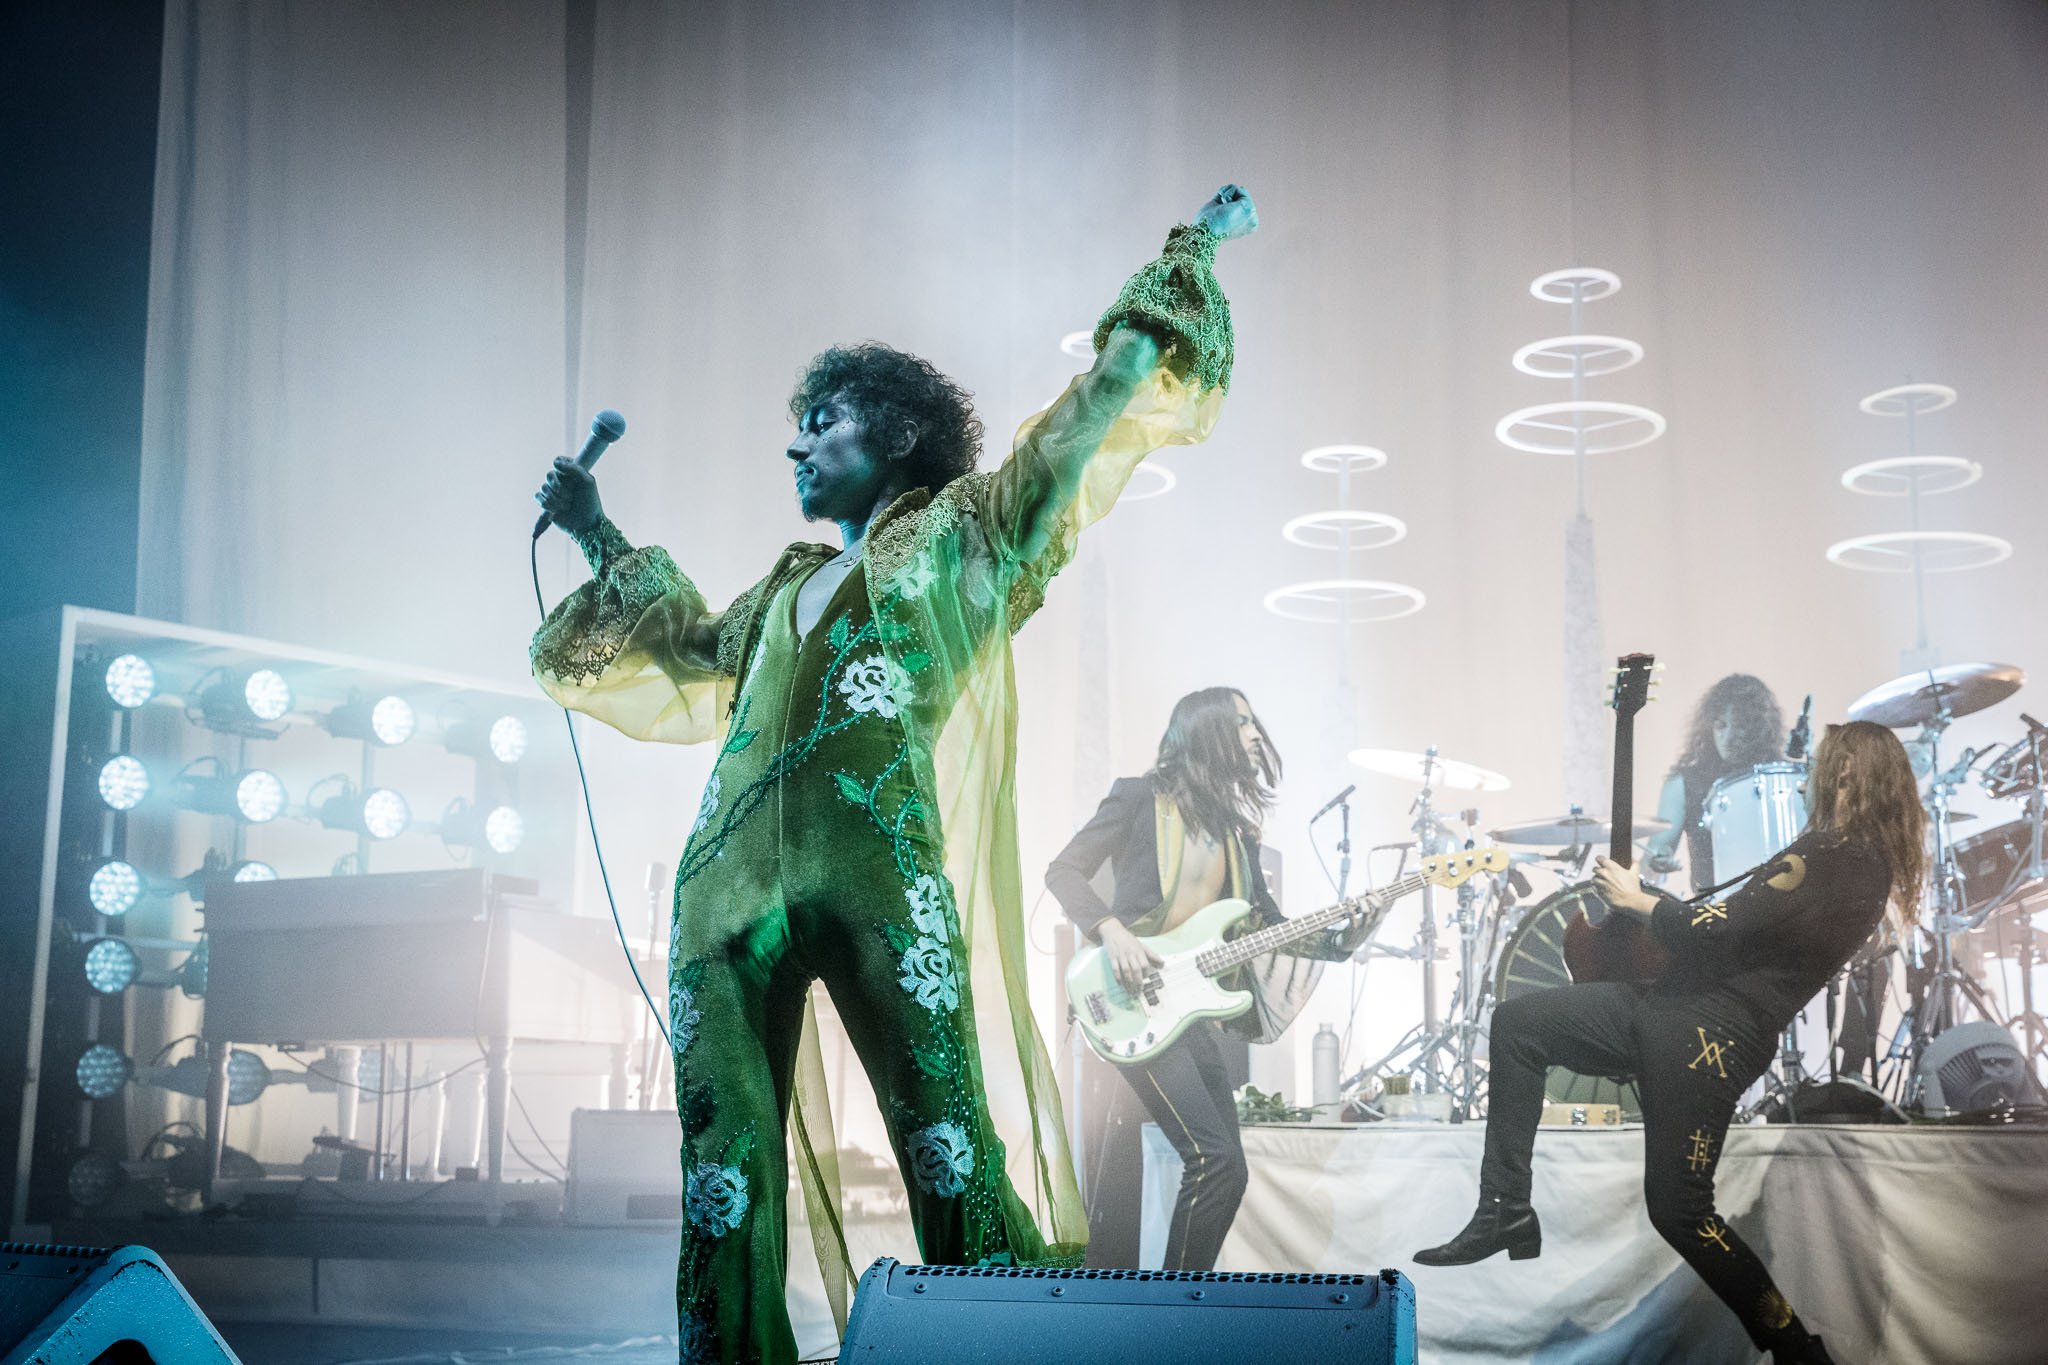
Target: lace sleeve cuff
(589,628)
(601,544)
(1177,299)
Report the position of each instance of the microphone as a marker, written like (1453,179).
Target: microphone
(1802,733)
(2033,724)
(1333,803)
(605,428)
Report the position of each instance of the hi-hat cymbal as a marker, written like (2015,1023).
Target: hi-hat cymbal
(1442,772)
(1918,698)
(1565,831)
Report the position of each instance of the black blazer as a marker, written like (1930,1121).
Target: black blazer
(1124,833)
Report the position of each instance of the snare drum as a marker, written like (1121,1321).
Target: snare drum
(1753,815)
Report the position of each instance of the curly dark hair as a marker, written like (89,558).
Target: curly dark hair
(1759,728)
(883,386)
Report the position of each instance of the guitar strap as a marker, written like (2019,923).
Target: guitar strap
(1718,887)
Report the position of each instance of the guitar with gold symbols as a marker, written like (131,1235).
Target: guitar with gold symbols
(1197,956)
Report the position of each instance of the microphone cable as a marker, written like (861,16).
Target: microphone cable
(590,817)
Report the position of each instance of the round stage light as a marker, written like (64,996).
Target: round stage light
(123,782)
(102,1071)
(114,888)
(130,681)
(267,695)
(253,871)
(259,796)
(248,1077)
(111,966)
(385,814)
(504,829)
(392,721)
(508,739)
(93,1178)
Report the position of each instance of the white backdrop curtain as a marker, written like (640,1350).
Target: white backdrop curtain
(373,288)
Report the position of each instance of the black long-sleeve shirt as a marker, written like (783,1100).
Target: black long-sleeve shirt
(1773,944)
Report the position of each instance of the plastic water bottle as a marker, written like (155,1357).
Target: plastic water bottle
(1323,1074)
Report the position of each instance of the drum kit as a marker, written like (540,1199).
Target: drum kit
(1505,945)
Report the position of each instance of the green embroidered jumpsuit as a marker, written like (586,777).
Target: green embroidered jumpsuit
(857,828)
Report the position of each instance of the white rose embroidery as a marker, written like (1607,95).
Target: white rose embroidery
(941,1159)
(928,975)
(707,808)
(929,902)
(914,578)
(866,684)
(715,1197)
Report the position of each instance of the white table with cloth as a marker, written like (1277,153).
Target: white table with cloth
(1897,1244)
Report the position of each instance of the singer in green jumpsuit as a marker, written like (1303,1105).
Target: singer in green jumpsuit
(858,828)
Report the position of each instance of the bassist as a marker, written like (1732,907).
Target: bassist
(1178,838)
(1694,1040)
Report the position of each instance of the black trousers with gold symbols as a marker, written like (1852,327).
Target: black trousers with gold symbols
(1692,1056)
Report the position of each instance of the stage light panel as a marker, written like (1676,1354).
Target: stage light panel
(385,814)
(253,871)
(380,813)
(102,1071)
(111,966)
(267,695)
(114,888)
(508,739)
(130,681)
(123,782)
(248,1077)
(504,829)
(243,703)
(259,796)
(255,796)
(93,1179)
(503,739)
(388,721)
(392,720)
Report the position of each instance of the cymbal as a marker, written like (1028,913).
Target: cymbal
(1443,772)
(1917,698)
(1563,831)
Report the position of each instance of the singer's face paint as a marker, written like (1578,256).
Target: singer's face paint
(838,478)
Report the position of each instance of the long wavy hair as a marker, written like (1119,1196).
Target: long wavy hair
(1862,785)
(1202,765)
(1759,728)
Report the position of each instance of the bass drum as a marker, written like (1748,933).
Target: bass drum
(1534,960)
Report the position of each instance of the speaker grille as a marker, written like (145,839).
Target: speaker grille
(1106,1273)
(51,1249)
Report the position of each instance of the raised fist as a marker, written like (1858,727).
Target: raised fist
(1230,213)
(569,495)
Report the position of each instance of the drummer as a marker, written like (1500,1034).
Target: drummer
(1736,726)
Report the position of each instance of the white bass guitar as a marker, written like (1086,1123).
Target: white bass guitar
(1186,984)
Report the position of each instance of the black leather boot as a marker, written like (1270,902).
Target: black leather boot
(1499,1225)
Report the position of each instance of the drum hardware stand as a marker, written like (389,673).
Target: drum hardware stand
(1456,1032)
(1791,1076)
(1939,1005)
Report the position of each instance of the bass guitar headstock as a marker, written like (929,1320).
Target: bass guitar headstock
(1454,869)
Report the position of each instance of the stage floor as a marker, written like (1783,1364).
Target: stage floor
(1903,1245)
